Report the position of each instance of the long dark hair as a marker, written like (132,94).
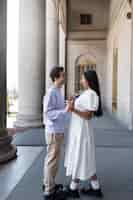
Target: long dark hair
(92,78)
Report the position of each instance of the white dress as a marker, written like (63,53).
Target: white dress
(80,148)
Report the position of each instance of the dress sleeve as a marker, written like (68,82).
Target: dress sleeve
(91,102)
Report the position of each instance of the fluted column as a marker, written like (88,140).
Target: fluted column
(62,32)
(7,150)
(130,125)
(52,37)
(31,63)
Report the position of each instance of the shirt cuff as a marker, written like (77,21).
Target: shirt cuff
(64,112)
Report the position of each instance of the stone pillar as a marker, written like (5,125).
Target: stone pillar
(7,150)
(31,63)
(130,126)
(52,38)
(63,40)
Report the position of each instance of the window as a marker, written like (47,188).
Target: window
(85,19)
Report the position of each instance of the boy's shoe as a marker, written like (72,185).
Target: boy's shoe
(58,193)
(57,187)
(71,193)
(49,197)
(92,192)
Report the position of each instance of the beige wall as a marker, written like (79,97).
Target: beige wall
(119,37)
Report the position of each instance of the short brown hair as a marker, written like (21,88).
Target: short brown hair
(55,72)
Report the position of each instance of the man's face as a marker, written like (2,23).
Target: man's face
(61,79)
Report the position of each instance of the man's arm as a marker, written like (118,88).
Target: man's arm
(56,114)
(50,108)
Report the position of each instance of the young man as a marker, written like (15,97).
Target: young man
(55,113)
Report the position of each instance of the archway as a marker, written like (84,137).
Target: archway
(83,63)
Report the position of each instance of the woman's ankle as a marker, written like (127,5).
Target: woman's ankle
(74,184)
(94,177)
(94,182)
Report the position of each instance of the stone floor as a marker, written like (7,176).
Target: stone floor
(22,178)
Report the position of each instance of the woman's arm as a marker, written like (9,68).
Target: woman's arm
(86,114)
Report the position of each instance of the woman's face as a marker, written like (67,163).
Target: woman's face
(84,82)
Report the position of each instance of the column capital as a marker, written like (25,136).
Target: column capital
(52,37)
(130,126)
(62,14)
(56,3)
(52,9)
(130,2)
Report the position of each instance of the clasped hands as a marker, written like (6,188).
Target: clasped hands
(70,105)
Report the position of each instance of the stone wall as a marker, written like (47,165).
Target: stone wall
(119,37)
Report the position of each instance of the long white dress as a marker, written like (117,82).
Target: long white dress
(80,148)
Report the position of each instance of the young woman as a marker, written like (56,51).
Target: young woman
(80,149)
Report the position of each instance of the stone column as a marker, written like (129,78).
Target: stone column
(62,32)
(52,38)
(31,63)
(63,40)
(7,150)
(130,126)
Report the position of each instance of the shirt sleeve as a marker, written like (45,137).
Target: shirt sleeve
(92,102)
(50,109)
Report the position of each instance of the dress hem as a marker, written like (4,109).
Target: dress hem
(81,178)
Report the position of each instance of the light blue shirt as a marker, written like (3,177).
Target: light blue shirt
(54,113)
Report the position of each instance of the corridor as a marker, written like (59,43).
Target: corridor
(22,178)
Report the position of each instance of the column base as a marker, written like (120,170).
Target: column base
(28,121)
(130,121)
(7,150)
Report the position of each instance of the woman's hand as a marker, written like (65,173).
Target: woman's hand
(67,108)
(70,105)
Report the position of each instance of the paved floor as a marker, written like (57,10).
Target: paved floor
(22,179)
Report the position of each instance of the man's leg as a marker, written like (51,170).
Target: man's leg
(54,143)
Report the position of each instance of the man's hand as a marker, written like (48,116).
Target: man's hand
(70,105)
(67,106)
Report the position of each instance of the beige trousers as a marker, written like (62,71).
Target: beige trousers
(54,143)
